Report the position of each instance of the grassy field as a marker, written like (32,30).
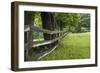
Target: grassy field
(73,46)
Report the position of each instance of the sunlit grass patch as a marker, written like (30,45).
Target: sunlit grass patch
(40,39)
(73,46)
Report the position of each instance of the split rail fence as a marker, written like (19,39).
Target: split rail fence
(53,43)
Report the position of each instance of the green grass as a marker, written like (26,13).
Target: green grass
(39,39)
(73,46)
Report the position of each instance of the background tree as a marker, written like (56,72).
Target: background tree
(38,20)
(68,20)
(85,21)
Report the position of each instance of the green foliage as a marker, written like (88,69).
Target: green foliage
(72,22)
(84,25)
(73,46)
(38,36)
(85,21)
(83,29)
(68,20)
(38,23)
(37,20)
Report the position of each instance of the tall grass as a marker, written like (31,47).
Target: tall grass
(73,46)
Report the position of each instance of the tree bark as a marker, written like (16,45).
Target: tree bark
(48,21)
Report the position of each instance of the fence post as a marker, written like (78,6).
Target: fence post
(28,20)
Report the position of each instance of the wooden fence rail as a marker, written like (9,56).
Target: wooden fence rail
(60,35)
(41,43)
(37,29)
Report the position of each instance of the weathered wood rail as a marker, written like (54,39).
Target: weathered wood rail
(37,29)
(60,35)
(40,43)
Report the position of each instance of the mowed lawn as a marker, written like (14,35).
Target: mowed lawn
(72,46)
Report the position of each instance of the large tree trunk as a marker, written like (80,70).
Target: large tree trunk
(49,23)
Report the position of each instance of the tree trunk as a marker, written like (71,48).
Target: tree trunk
(48,21)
